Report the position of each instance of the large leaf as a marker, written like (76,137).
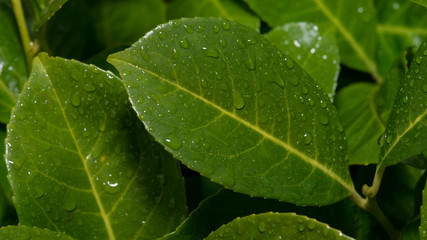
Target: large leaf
(406,131)
(364,109)
(420,2)
(229,105)
(314,48)
(33,233)
(13,70)
(79,162)
(42,10)
(400,24)
(276,226)
(228,9)
(353,20)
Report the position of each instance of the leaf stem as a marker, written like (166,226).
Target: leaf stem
(372,191)
(23,31)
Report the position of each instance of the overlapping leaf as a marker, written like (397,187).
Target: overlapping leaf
(228,104)
(80,163)
(314,49)
(24,232)
(276,226)
(232,10)
(353,20)
(13,70)
(42,10)
(406,131)
(400,24)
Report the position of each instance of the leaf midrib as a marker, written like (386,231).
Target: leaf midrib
(272,138)
(104,215)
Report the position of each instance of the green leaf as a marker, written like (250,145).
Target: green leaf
(400,24)
(42,10)
(229,105)
(13,72)
(406,131)
(77,157)
(313,47)
(276,226)
(353,20)
(364,109)
(420,2)
(423,226)
(232,10)
(138,16)
(33,233)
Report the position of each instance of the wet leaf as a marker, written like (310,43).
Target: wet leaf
(420,2)
(231,106)
(401,24)
(423,225)
(353,20)
(406,130)
(33,233)
(232,10)
(42,10)
(276,226)
(80,162)
(313,47)
(13,70)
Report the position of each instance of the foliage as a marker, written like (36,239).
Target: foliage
(311,114)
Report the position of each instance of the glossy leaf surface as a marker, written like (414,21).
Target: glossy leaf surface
(31,233)
(420,2)
(42,10)
(314,48)
(276,226)
(401,24)
(353,20)
(406,131)
(80,162)
(232,10)
(229,105)
(13,72)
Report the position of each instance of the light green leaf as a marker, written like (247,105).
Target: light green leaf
(420,2)
(364,109)
(400,24)
(353,20)
(314,48)
(138,16)
(229,105)
(423,226)
(406,130)
(232,10)
(80,163)
(42,10)
(13,70)
(33,233)
(276,226)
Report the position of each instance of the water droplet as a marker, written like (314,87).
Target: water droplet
(307,138)
(239,101)
(381,140)
(101,126)
(75,99)
(294,81)
(111,187)
(38,191)
(226,25)
(143,53)
(419,59)
(340,126)
(311,225)
(425,87)
(173,142)
(405,99)
(162,35)
(69,203)
(389,138)
(301,228)
(262,227)
(323,119)
(425,53)
(210,51)
(222,43)
(323,104)
(279,81)
(188,29)
(250,63)
(240,44)
(184,43)
(289,63)
(89,87)
(216,28)
(252,41)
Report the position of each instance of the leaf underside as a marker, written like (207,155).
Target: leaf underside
(229,105)
(79,160)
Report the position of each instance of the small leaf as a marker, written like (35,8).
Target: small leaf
(353,20)
(313,47)
(13,70)
(42,10)
(231,106)
(232,10)
(276,226)
(406,131)
(420,2)
(25,232)
(78,157)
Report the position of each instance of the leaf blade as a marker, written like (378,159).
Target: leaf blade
(42,11)
(22,232)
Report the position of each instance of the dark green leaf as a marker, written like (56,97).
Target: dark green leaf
(353,20)
(423,226)
(420,2)
(229,105)
(42,10)
(33,233)
(406,130)
(418,161)
(232,10)
(13,70)
(400,24)
(276,226)
(79,162)
(314,48)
